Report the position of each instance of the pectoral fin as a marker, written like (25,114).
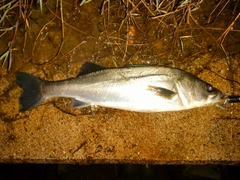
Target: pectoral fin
(162,92)
(79,104)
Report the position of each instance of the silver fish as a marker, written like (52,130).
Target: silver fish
(141,88)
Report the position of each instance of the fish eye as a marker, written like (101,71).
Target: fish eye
(209,88)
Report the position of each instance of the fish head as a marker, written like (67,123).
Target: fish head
(205,94)
(214,94)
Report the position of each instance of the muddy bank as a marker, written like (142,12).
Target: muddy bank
(194,37)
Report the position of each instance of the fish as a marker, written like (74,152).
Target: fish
(140,88)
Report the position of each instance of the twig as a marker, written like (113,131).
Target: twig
(35,42)
(62,21)
(209,19)
(55,15)
(54,58)
(225,33)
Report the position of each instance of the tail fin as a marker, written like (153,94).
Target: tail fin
(31,95)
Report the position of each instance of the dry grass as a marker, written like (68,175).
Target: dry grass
(12,14)
(166,18)
(166,14)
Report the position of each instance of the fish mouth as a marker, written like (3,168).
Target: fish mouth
(218,97)
(223,96)
(225,99)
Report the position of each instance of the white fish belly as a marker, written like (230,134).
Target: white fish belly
(134,97)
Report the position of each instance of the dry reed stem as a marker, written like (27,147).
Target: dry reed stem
(208,34)
(105,24)
(26,13)
(225,33)
(64,55)
(62,35)
(35,42)
(209,19)
(62,21)
(65,21)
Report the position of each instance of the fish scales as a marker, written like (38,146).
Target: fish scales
(136,88)
(118,88)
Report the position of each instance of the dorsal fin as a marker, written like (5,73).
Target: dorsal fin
(89,67)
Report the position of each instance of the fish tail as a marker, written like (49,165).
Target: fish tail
(31,90)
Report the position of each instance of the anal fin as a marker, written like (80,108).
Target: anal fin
(79,104)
